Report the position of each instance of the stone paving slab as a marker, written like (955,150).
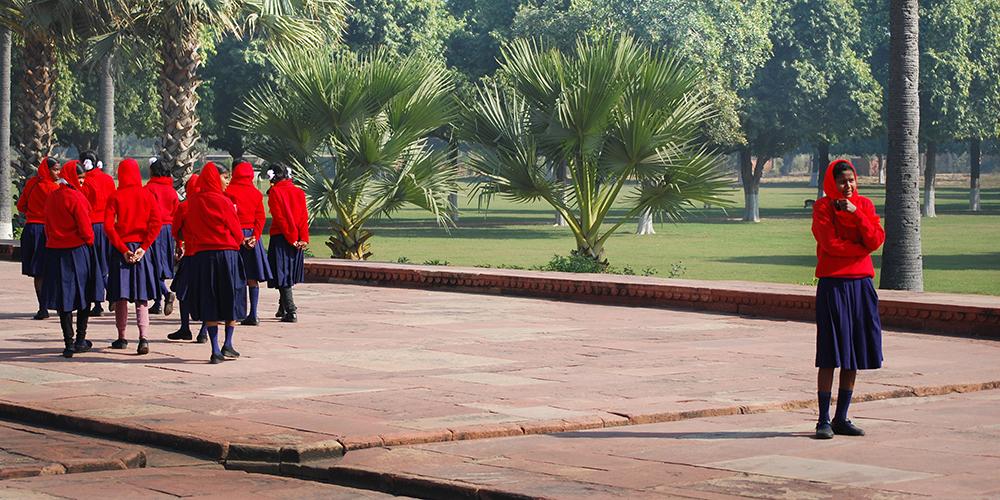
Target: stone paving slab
(27,451)
(928,448)
(368,366)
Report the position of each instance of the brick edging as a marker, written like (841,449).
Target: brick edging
(951,314)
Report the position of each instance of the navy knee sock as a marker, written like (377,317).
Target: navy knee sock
(213,335)
(163,288)
(229,335)
(204,329)
(185,316)
(824,406)
(843,401)
(254,295)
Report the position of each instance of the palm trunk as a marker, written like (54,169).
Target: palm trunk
(974,160)
(751,186)
(178,85)
(902,259)
(822,161)
(645,223)
(106,145)
(453,197)
(36,105)
(6,210)
(930,172)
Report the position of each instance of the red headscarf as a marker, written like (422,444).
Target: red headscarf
(830,189)
(69,174)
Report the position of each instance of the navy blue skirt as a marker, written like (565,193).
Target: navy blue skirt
(33,249)
(68,281)
(848,328)
(131,281)
(162,253)
(182,277)
(217,286)
(101,248)
(255,260)
(287,263)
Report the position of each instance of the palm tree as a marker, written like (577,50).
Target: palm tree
(620,115)
(177,27)
(6,209)
(902,261)
(356,130)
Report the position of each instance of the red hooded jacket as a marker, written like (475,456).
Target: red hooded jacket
(211,222)
(248,199)
(132,215)
(163,190)
(35,192)
(97,189)
(289,218)
(67,213)
(180,214)
(844,240)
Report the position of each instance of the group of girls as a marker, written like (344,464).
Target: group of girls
(85,241)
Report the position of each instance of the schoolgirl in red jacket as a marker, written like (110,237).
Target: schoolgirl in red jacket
(217,288)
(184,257)
(161,185)
(97,189)
(131,221)
(68,283)
(32,203)
(250,210)
(289,237)
(848,329)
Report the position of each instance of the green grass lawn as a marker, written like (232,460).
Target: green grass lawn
(961,252)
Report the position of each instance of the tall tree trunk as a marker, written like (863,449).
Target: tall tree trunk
(562,175)
(930,172)
(974,161)
(814,171)
(6,209)
(106,145)
(178,85)
(453,197)
(751,184)
(645,223)
(902,258)
(822,161)
(881,169)
(36,105)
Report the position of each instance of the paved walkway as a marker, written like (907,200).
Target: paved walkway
(370,367)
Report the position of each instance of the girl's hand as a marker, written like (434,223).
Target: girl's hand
(844,205)
(301,245)
(137,255)
(249,242)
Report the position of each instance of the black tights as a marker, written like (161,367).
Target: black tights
(66,322)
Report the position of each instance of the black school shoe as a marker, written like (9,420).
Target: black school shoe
(84,347)
(250,321)
(824,430)
(290,318)
(155,309)
(216,359)
(168,304)
(119,344)
(229,352)
(41,314)
(845,428)
(143,347)
(68,352)
(182,334)
(96,311)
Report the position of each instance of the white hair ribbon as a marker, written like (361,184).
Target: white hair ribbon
(289,169)
(270,174)
(100,165)
(152,160)
(88,165)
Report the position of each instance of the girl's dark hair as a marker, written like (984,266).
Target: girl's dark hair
(80,169)
(159,168)
(279,170)
(91,155)
(51,162)
(840,167)
(223,168)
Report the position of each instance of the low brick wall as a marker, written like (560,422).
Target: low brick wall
(919,311)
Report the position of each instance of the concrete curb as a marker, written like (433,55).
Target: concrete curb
(941,313)
(125,459)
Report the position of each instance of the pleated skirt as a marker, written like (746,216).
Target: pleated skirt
(68,283)
(162,253)
(848,328)
(131,281)
(101,248)
(287,263)
(217,286)
(182,277)
(255,260)
(33,249)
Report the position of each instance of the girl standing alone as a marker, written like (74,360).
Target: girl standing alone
(289,237)
(848,329)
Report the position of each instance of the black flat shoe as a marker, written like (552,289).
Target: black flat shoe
(84,347)
(111,306)
(97,311)
(280,313)
(155,309)
(182,334)
(202,338)
(824,431)
(143,347)
(290,318)
(216,359)
(229,352)
(845,428)
(68,352)
(41,314)
(250,321)
(119,344)
(168,304)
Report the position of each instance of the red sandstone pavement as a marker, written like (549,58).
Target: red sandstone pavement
(367,367)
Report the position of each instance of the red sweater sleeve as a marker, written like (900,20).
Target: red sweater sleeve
(258,221)
(22,201)
(110,215)
(869,224)
(153,226)
(279,218)
(302,217)
(826,233)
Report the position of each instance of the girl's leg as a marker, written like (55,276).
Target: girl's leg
(82,318)
(66,324)
(184,333)
(121,321)
(254,289)
(142,318)
(824,392)
(227,348)
(213,336)
(42,312)
(847,378)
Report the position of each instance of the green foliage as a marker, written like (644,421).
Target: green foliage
(400,27)
(356,129)
(403,260)
(232,70)
(436,262)
(676,270)
(814,281)
(577,263)
(946,70)
(619,115)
